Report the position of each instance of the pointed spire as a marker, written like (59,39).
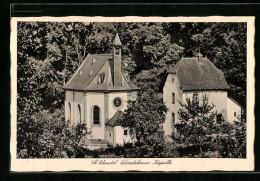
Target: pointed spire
(117,41)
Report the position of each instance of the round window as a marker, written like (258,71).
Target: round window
(117,102)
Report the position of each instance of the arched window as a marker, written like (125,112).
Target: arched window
(96,115)
(117,51)
(101,78)
(173,118)
(69,113)
(79,114)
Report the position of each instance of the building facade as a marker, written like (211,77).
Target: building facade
(97,93)
(197,76)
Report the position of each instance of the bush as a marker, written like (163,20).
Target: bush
(234,145)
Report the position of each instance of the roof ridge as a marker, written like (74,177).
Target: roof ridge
(103,54)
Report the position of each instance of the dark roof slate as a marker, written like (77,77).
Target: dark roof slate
(114,120)
(80,82)
(84,80)
(199,75)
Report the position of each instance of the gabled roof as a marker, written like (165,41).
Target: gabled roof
(86,75)
(114,120)
(202,74)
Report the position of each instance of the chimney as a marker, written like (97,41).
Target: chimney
(199,56)
(117,46)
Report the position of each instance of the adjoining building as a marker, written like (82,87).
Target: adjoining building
(197,76)
(97,93)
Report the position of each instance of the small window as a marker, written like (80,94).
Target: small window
(110,134)
(101,78)
(173,118)
(219,118)
(93,60)
(117,51)
(173,80)
(235,114)
(96,115)
(173,98)
(125,132)
(195,97)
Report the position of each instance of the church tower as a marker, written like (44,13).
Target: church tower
(117,47)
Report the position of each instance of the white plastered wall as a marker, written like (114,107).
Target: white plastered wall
(95,99)
(110,134)
(169,88)
(218,98)
(233,107)
(75,98)
(119,137)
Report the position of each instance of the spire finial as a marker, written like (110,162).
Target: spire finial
(117,41)
(199,55)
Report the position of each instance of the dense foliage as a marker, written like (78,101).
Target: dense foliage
(144,117)
(208,136)
(198,121)
(49,136)
(49,52)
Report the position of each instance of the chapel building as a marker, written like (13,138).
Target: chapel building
(97,94)
(193,78)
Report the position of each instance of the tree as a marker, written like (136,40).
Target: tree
(144,117)
(234,145)
(48,135)
(198,122)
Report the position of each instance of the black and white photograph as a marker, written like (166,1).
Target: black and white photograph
(139,93)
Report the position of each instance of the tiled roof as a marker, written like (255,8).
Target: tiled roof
(199,75)
(114,120)
(83,78)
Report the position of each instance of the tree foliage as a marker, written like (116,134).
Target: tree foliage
(200,129)
(198,121)
(144,117)
(48,53)
(234,145)
(48,135)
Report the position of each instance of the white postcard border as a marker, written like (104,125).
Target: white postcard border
(175,164)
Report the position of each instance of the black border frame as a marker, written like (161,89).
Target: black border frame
(119,9)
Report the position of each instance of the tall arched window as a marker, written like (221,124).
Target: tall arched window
(69,113)
(96,115)
(79,114)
